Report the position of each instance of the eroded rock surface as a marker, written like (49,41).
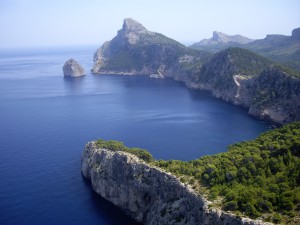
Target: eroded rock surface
(72,68)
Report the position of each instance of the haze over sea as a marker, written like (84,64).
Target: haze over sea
(46,119)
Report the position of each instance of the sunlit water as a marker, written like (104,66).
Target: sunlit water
(45,121)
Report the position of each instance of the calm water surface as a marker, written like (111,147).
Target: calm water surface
(46,119)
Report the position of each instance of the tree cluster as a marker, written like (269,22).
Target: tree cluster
(255,177)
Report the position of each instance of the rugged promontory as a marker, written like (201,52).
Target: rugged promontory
(72,68)
(147,193)
(138,51)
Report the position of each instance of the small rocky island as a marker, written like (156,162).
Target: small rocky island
(72,68)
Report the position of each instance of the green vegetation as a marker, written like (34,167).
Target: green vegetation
(123,60)
(157,38)
(119,146)
(150,51)
(279,48)
(247,62)
(256,177)
(219,70)
(288,70)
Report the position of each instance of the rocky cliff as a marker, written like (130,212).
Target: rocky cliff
(137,51)
(244,78)
(275,96)
(147,193)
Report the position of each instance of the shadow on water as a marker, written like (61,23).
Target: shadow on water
(109,212)
(74,84)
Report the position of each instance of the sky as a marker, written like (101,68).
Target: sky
(41,23)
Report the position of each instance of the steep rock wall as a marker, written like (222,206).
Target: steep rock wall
(148,194)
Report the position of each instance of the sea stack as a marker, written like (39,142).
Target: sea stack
(72,68)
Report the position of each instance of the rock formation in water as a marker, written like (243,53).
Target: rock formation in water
(147,193)
(72,68)
(235,75)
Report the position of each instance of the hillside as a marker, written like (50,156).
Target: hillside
(284,49)
(244,78)
(280,48)
(258,177)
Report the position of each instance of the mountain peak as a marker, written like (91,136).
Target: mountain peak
(221,41)
(131,25)
(220,37)
(296,33)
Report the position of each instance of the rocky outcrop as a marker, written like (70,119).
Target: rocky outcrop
(147,193)
(72,68)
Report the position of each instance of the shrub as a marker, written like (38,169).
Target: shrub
(232,205)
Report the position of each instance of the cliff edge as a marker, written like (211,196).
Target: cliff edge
(147,193)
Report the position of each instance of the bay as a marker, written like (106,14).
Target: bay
(46,119)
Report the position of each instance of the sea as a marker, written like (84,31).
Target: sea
(46,120)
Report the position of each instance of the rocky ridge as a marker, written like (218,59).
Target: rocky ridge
(137,51)
(147,193)
(221,41)
(281,48)
(267,91)
(72,68)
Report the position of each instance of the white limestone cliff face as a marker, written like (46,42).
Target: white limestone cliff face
(72,68)
(148,194)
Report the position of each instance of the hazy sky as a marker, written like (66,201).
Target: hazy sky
(29,23)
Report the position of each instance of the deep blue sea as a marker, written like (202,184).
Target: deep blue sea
(46,119)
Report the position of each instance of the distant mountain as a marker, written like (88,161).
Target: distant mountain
(220,41)
(135,50)
(280,48)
